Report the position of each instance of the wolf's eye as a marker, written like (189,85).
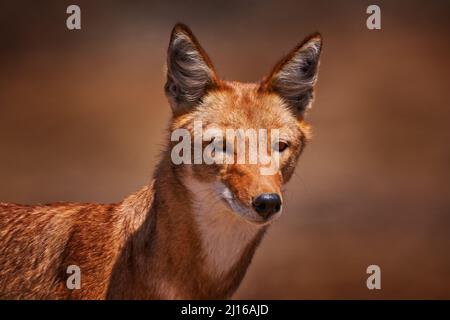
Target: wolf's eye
(224,146)
(218,144)
(281,146)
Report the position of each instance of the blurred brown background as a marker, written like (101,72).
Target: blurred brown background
(82,118)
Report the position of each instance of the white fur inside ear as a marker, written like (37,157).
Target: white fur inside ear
(297,77)
(188,73)
(299,71)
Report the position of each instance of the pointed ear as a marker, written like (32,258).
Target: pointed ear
(294,77)
(190,73)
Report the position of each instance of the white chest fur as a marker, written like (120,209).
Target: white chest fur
(224,234)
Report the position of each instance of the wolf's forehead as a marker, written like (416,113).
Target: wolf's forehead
(242,105)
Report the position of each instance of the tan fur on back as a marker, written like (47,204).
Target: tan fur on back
(39,243)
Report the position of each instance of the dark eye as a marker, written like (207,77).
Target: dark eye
(217,143)
(224,146)
(281,146)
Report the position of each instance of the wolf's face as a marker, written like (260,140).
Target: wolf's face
(253,134)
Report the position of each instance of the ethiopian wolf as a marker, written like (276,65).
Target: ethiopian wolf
(192,231)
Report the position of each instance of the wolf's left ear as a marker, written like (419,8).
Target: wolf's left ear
(190,73)
(294,77)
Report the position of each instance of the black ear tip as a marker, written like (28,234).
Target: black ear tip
(313,41)
(317,36)
(181,28)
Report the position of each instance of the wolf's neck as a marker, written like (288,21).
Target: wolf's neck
(189,245)
(224,235)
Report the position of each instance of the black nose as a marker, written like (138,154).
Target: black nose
(267,204)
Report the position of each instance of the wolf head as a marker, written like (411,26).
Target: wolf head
(230,113)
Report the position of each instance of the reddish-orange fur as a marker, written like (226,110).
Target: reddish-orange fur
(149,246)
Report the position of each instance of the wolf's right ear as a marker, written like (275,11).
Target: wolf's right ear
(190,73)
